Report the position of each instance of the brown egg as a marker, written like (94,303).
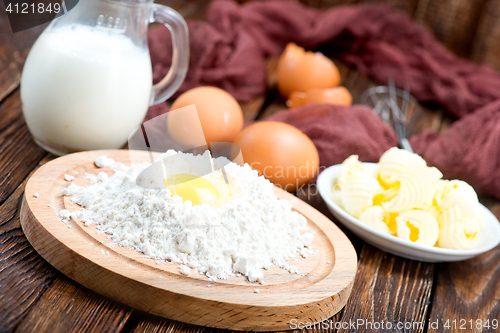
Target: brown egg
(220,114)
(335,96)
(280,152)
(184,127)
(299,70)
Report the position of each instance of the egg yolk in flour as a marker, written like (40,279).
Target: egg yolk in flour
(199,190)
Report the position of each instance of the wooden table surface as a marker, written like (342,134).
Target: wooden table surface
(34,297)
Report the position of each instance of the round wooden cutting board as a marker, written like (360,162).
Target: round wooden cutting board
(125,275)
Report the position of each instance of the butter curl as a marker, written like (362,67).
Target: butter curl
(396,161)
(451,193)
(416,190)
(457,231)
(418,227)
(375,217)
(350,166)
(357,193)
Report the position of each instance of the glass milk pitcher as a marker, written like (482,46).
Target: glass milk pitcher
(87,81)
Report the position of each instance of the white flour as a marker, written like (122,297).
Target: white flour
(69,178)
(246,235)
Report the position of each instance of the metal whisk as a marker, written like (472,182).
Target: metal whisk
(395,106)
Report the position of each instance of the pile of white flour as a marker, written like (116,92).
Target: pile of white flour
(243,236)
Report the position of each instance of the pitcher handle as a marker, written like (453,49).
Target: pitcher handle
(180,52)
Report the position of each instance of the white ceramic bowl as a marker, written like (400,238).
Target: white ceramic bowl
(489,239)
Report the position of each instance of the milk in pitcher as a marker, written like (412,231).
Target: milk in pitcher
(85,88)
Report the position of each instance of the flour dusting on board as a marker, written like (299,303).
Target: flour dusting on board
(243,236)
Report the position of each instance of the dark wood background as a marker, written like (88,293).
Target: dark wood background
(34,297)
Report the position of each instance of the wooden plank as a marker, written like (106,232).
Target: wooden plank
(323,4)
(159,325)
(446,122)
(452,21)
(18,153)
(486,45)
(467,294)
(272,96)
(386,287)
(66,307)
(274,103)
(13,51)
(24,275)
(310,194)
(426,119)
(10,113)
(357,83)
(390,289)
(10,75)
(271,65)
(252,109)
(152,324)
(343,70)
(469,289)
(406,6)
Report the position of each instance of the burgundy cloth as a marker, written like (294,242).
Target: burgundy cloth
(340,131)
(233,62)
(468,150)
(228,50)
(155,111)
